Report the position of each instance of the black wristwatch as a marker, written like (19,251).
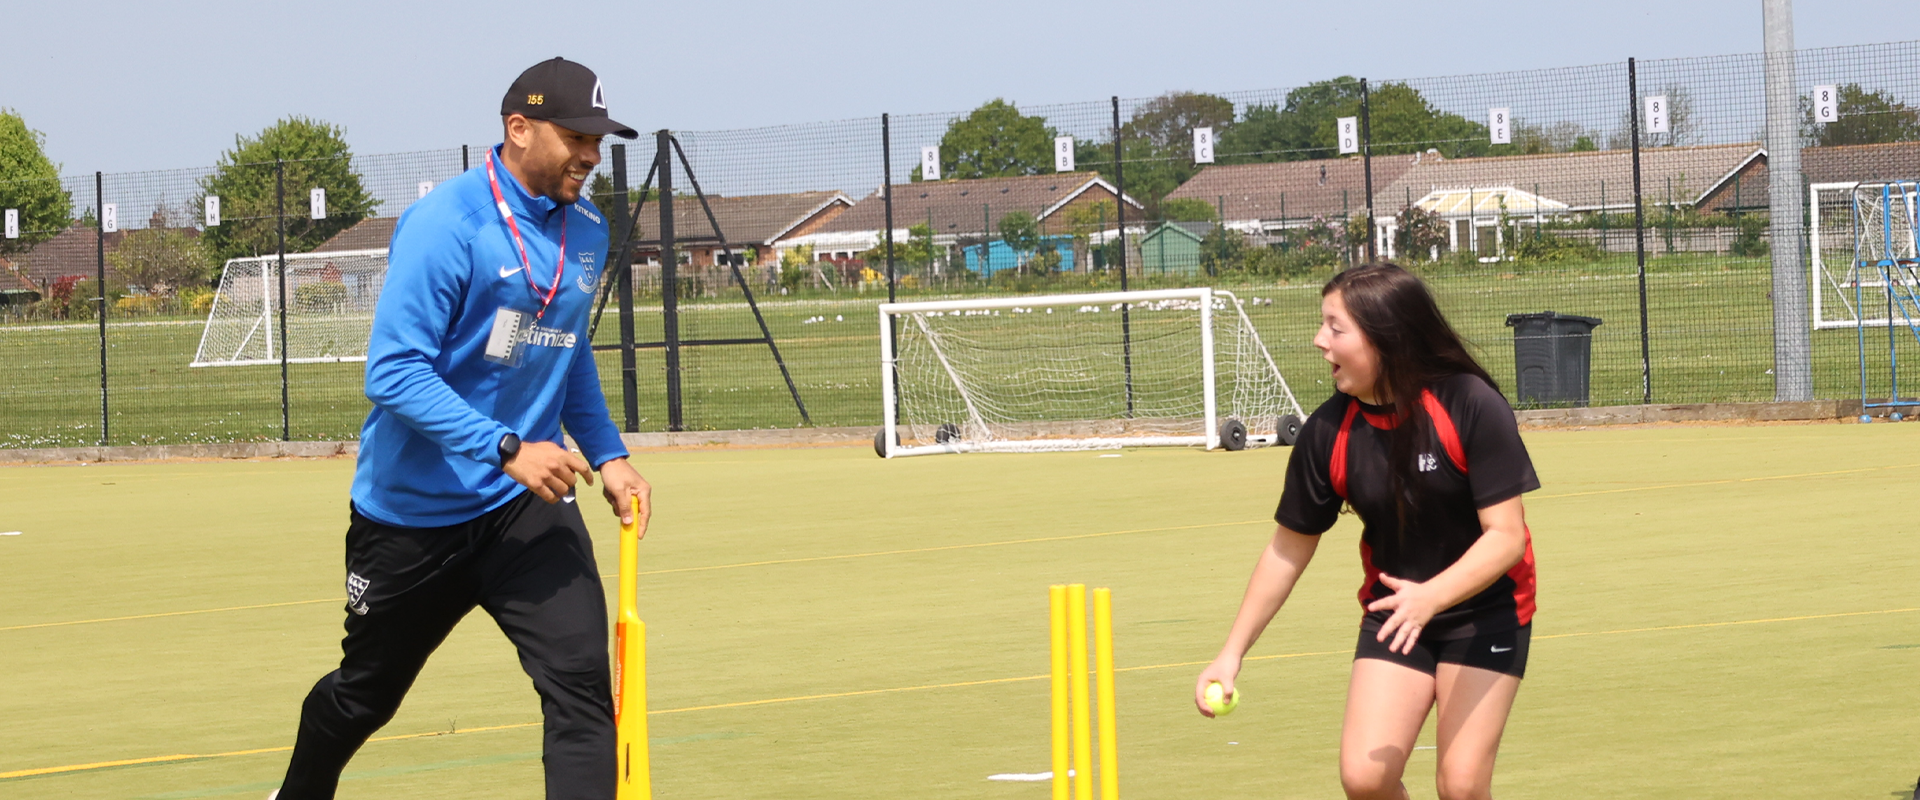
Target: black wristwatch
(509,447)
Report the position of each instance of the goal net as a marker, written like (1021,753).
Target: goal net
(328,319)
(1177,367)
(1863,248)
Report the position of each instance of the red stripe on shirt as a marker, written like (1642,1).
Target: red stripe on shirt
(1523,584)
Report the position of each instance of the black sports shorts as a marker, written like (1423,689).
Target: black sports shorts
(1504,652)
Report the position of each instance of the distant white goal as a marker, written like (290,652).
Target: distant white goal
(1863,246)
(1180,367)
(328,320)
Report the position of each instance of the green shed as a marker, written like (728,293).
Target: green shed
(1172,247)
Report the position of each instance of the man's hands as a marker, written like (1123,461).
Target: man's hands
(622,484)
(548,469)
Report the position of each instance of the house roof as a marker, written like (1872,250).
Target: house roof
(1294,189)
(73,251)
(1487,201)
(962,206)
(747,220)
(1854,163)
(1583,181)
(372,233)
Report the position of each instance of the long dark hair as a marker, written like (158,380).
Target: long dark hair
(1417,349)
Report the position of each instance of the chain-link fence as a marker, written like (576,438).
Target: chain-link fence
(1635,194)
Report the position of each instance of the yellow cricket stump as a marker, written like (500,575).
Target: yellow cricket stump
(630,671)
(1071,707)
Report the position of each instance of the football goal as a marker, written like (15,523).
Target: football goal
(1863,251)
(1178,367)
(328,320)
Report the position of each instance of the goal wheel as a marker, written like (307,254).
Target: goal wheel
(947,433)
(880,442)
(1233,435)
(1289,429)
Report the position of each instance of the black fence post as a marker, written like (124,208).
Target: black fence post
(886,194)
(617,251)
(1366,164)
(1120,215)
(1639,232)
(464,163)
(100,283)
(669,280)
(280,248)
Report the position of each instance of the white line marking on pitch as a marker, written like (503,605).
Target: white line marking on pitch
(1029,777)
(9,533)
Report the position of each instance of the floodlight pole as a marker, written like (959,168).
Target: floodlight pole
(1366,164)
(1639,231)
(1792,334)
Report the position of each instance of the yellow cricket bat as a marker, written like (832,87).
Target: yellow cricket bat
(630,670)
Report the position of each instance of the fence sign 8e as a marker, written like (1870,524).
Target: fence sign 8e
(1498,126)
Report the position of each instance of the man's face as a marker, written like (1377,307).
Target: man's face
(555,161)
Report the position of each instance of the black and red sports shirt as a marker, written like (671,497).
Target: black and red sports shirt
(1473,458)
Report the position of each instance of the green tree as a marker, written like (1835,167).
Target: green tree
(162,260)
(1187,209)
(1866,117)
(1158,142)
(315,155)
(1020,232)
(995,141)
(31,183)
(1401,120)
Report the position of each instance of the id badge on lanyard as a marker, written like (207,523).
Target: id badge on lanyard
(507,342)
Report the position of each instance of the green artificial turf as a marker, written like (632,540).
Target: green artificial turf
(1724,612)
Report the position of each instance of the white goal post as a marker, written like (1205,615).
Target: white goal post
(1851,221)
(328,321)
(1175,367)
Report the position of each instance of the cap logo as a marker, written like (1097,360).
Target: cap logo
(536,99)
(599,98)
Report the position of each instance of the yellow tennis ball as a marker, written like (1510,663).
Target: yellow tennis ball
(1219,702)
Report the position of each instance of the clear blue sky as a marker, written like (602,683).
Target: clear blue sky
(135,86)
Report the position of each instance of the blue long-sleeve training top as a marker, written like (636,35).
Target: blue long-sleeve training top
(429,450)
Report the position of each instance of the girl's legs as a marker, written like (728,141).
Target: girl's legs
(1473,705)
(1386,705)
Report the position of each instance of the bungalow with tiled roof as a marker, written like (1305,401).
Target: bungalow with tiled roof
(956,210)
(1475,196)
(1256,198)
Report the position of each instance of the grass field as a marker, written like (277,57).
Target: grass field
(1710,340)
(1726,612)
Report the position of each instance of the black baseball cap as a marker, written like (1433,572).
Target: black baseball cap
(566,94)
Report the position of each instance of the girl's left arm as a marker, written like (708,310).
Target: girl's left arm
(1503,542)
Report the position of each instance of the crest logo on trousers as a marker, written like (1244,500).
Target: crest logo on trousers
(356,588)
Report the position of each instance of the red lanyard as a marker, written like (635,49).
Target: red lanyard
(506,213)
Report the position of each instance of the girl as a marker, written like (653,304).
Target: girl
(1421,445)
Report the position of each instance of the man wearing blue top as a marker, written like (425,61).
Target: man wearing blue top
(463,493)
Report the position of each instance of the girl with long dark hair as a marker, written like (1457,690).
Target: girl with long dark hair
(1418,441)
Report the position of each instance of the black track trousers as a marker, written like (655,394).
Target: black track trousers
(530,565)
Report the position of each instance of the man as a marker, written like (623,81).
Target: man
(462,496)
